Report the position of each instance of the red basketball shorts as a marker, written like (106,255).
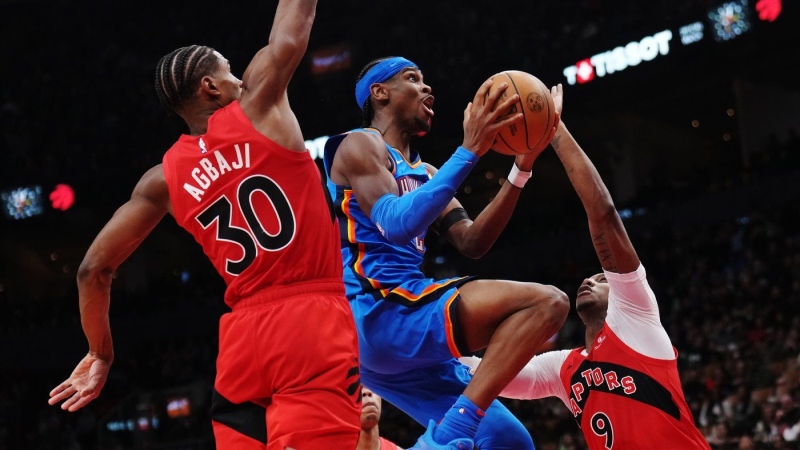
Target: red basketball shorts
(287,371)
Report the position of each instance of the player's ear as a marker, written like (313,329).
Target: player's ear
(379,91)
(209,86)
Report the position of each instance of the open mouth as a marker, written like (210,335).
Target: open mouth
(427,103)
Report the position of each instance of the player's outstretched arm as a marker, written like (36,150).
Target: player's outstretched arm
(267,76)
(129,226)
(474,238)
(540,378)
(610,240)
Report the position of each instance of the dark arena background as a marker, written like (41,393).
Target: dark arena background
(689,108)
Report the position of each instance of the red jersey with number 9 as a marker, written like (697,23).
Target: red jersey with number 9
(259,210)
(623,400)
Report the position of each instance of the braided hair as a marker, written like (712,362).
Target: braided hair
(178,73)
(367,111)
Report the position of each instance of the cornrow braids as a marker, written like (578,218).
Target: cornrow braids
(367,111)
(178,73)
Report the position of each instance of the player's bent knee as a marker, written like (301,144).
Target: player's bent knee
(555,306)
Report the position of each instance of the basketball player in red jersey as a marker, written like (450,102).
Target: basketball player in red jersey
(623,387)
(371,407)
(242,183)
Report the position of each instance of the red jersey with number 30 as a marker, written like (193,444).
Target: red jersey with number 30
(624,400)
(258,210)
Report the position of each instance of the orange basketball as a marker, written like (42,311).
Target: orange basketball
(536,105)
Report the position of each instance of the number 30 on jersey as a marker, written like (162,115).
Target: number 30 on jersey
(255,236)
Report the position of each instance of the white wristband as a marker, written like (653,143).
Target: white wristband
(517,177)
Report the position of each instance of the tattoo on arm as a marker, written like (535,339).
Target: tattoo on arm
(555,142)
(607,259)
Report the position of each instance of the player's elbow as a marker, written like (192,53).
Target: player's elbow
(93,272)
(292,45)
(469,243)
(474,254)
(474,250)
(394,221)
(605,213)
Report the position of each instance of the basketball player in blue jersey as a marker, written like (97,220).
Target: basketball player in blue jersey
(412,328)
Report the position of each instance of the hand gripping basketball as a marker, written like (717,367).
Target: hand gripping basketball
(482,117)
(540,117)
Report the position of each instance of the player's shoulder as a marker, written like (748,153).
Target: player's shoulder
(154,176)
(363,136)
(152,186)
(362,143)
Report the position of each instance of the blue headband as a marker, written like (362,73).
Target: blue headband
(378,74)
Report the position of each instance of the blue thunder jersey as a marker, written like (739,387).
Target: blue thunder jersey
(408,330)
(372,264)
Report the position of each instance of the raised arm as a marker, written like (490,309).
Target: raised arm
(610,240)
(267,77)
(264,97)
(475,238)
(129,226)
